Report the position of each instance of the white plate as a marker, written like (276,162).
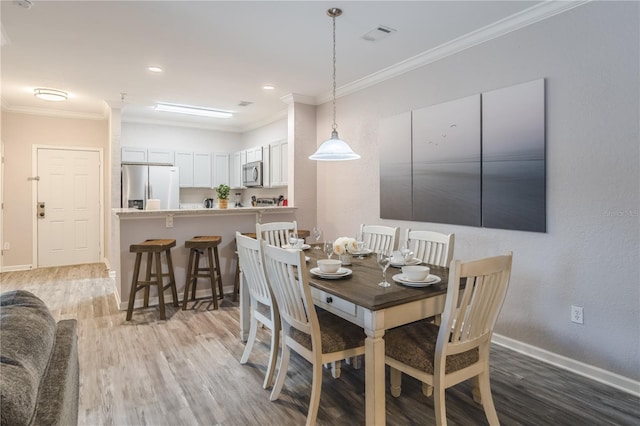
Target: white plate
(431,279)
(342,272)
(414,261)
(364,252)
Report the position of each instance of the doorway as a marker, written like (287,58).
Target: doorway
(68,220)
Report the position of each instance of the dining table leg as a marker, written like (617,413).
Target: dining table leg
(374,377)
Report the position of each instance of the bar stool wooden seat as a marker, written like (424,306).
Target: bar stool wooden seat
(197,246)
(153,277)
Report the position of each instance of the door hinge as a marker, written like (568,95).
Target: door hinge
(36,178)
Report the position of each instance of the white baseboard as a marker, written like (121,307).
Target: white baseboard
(598,374)
(16,268)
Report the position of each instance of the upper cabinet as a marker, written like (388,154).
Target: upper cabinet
(254,154)
(133,155)
(195,169)
(279,158)
(161,156)
(235,169)
(220,169)
(147,155)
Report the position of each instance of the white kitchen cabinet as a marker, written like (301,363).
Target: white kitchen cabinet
(161,156)
(220,169)
(279,158)
(254,154)
(184,161)
(235,170)
(202,176)
(133,155)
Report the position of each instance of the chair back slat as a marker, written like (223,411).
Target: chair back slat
(285,271)
(379,238)
(275,233)
(431,247)
(472,311)
(250,261)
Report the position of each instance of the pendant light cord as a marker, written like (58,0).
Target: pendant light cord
(335,126)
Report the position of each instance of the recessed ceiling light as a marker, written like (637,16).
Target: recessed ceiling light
(268,87)
(154,69)
(193,110)
(50,94)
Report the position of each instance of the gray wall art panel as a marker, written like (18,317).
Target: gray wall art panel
(395,167)
(446,162)
(513,158)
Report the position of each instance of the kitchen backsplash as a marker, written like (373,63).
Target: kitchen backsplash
(191,198)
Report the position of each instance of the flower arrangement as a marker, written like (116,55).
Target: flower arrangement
(345,245)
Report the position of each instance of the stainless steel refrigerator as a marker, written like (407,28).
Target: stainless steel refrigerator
(141,182)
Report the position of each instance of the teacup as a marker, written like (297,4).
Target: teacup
(416,273)
(329,266)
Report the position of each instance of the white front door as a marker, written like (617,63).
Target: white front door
(68,216)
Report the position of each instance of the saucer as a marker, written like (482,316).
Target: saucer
(414,261)
(431,279)
(342,272)
(302,247)
(364,252)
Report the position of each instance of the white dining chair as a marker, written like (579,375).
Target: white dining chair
(263,308)
(276,233)
(458,349)
(431,247)
(380,238)
(319,336)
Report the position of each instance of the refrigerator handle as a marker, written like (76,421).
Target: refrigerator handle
(149,191)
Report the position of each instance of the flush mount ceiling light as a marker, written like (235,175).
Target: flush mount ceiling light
(154,69)
(50,94)
(334,149)
(193,110)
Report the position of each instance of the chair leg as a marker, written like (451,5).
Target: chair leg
(172,278)
(439,402)
(487,399)
(395,379)
(427,389)
(282,372)
(316,389)
(273,353)
(211,272)
(253,329)
(336,369)
(218,272)
(187,281)
(134,285)
(148,278)
(160,286)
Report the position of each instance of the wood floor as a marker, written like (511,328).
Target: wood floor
(185,371)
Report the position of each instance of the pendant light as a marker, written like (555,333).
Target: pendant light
(334,149)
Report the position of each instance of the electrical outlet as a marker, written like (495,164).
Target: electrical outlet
(577,314)
(169,223)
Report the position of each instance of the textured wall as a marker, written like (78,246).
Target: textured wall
(589,57)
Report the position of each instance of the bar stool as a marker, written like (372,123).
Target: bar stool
(197,246)
(152,278)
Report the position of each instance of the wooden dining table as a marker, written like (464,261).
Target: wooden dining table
(359,299)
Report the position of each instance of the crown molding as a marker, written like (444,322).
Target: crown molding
(497,29)
(298,98)
(54,112)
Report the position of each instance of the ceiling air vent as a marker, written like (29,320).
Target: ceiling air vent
(244,103)
(378,33)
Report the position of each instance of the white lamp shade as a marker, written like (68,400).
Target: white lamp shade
(334,149)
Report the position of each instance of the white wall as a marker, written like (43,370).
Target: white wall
(178,138)
(589,257)
(265,135)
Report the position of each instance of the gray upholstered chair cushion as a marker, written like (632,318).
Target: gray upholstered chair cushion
(415,344)
(337,333)
(27,333)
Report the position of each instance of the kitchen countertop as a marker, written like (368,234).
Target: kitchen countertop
(135,213)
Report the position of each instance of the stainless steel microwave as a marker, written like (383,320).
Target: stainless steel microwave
(252,174)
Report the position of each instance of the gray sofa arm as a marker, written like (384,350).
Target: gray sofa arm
(58,396)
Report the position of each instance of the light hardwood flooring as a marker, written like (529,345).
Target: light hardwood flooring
(186,371)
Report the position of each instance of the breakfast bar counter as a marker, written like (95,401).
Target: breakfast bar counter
(132,226)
